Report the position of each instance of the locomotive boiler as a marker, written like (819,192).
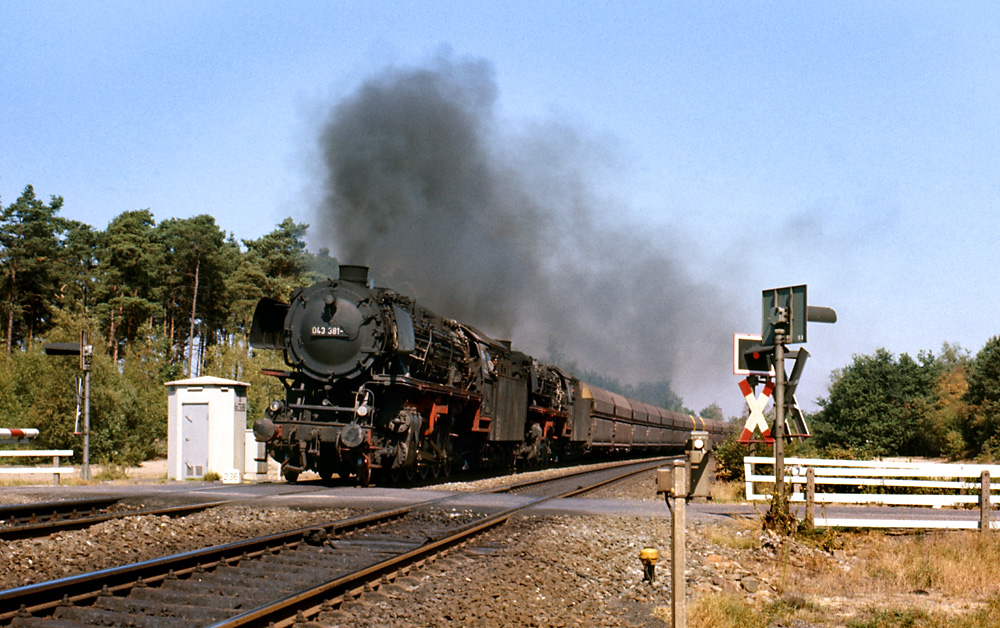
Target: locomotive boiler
(378,383)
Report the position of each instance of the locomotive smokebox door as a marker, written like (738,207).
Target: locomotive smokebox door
(338,330)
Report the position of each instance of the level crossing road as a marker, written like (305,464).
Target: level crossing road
(316,495)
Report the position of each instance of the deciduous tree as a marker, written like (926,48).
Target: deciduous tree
(875,405)
(983,397)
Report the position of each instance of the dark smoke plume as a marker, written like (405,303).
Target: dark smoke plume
(498,227)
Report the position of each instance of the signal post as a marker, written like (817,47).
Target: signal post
(673,483)
(683,480)
(784,314)
(85,350)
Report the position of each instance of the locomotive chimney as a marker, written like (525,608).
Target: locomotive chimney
(354,274)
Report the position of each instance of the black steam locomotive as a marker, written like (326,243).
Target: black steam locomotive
(379,383)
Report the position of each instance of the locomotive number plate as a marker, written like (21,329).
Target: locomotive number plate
(328,332)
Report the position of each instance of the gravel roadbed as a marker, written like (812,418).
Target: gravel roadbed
(568,571)
(143,537)
(533,571)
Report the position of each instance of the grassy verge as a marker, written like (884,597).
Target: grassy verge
(854,579)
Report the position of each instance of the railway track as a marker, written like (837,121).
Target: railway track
(44,518)
(38,519)
(35,512)
(281,578)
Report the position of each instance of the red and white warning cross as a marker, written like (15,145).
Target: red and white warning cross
(756,420)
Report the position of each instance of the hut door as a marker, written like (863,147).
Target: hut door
(195,433)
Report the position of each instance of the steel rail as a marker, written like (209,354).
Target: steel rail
(530,483)
(12,514)
(41,598)
(43,528)
(305,604)
(48,522)
(44,596)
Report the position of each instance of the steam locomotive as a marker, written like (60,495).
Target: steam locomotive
(378,383)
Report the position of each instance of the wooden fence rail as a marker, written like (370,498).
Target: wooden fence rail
(55,469)
(878,482)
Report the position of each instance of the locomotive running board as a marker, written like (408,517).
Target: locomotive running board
(417,384)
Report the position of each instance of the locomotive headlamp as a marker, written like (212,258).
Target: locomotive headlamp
(698,443)
(362,410)
(276,406)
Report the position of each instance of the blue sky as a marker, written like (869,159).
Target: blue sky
(851,146)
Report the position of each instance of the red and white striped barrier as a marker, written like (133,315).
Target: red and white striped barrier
(16,432)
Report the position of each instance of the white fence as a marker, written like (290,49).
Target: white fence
(55,469)
(875,483)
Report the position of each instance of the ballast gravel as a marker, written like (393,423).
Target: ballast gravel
(143,537)
(532,571)
(575,571)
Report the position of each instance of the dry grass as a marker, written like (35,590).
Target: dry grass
(731,610)
(728,492)
(986,616)
(739,533)
(947,579)
(724,611)
(42,479)
(949,563)
(111,472)
(727,610)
